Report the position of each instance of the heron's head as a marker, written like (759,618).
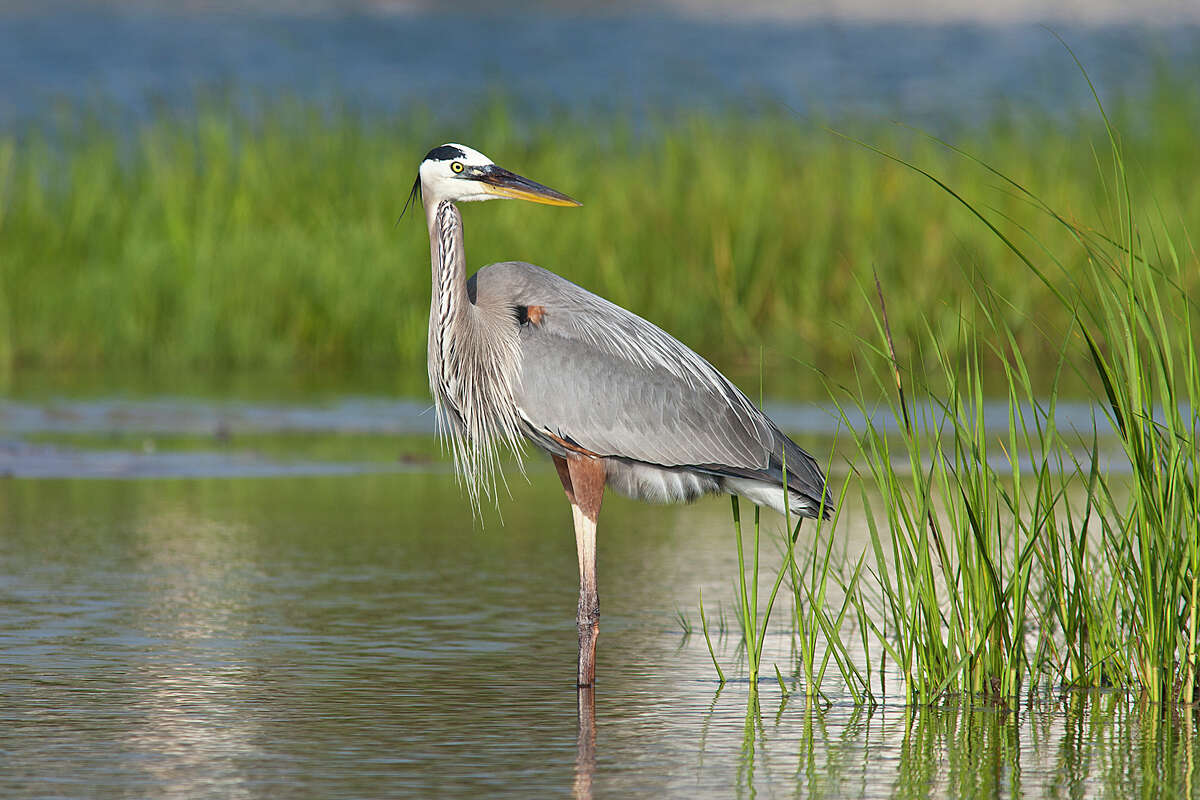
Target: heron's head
(456,172)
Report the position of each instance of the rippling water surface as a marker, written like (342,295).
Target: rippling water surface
(363,635)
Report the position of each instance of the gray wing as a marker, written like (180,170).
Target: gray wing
(605,380)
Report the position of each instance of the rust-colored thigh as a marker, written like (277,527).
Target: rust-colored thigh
(587,476)
(564,475)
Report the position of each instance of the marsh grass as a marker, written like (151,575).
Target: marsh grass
(951,564)
(753,620)
(815,630)
(1004,563)
(224,240)
(817,627)
(992,571)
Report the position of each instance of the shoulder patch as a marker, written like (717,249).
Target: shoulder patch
(529,315)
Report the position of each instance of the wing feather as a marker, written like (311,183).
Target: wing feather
(612,383)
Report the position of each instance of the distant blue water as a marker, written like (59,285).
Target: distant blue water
(218,422)
(128,62)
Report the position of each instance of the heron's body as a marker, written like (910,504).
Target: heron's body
(517,352)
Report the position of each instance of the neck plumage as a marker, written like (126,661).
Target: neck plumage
(473,361)
(446,252)
(449,319)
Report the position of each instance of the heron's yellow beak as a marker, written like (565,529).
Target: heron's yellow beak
(502,183)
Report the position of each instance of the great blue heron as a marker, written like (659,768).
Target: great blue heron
(517,352)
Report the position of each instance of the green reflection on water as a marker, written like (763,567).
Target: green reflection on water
(365,636)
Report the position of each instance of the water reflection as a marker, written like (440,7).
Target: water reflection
(585,744)
(363,637)
(1076,745)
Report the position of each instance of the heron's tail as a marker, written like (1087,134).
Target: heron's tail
(808,490)
(808,493)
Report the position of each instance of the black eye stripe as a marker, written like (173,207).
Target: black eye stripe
(446,152)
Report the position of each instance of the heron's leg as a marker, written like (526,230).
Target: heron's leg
(588,615)
(583,479)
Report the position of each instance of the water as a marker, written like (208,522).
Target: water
(128,59)
(360,636)
(349,635)
(107,437)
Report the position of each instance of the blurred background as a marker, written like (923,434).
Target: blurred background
(195,191)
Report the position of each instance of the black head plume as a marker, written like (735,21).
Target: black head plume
(415,194)
(446,152)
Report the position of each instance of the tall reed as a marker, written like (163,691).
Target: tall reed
(973,547)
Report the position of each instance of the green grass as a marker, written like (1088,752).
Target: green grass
(1004,563)
(1007,563)
(219,241)
(816,633)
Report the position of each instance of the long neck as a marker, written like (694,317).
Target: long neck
(450,318)
(474,357)
(448,259)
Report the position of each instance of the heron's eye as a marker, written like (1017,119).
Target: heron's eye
(456,167)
